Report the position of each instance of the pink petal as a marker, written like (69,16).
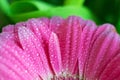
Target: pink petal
(101,52)
(56,48)
(9,28)
(55,54)
(112,70)
(33,48)
(11,65)
(69,32)
(85,45)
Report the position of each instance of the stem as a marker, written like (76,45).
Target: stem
(77,3)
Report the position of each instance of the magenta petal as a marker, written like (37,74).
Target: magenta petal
(100,53)
(57,25)
(34,26)
(55,54)
(11,60)
(59,49)
(85,45)
(33,48)
(9,28)
(112,70)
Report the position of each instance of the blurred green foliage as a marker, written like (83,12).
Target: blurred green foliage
(100,11)
(108,11)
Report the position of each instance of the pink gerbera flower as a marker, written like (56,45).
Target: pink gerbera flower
(59,49)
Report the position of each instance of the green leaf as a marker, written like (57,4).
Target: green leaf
(4,7)
(71,10)
(19,7)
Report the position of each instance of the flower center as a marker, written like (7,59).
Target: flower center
(66,77)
